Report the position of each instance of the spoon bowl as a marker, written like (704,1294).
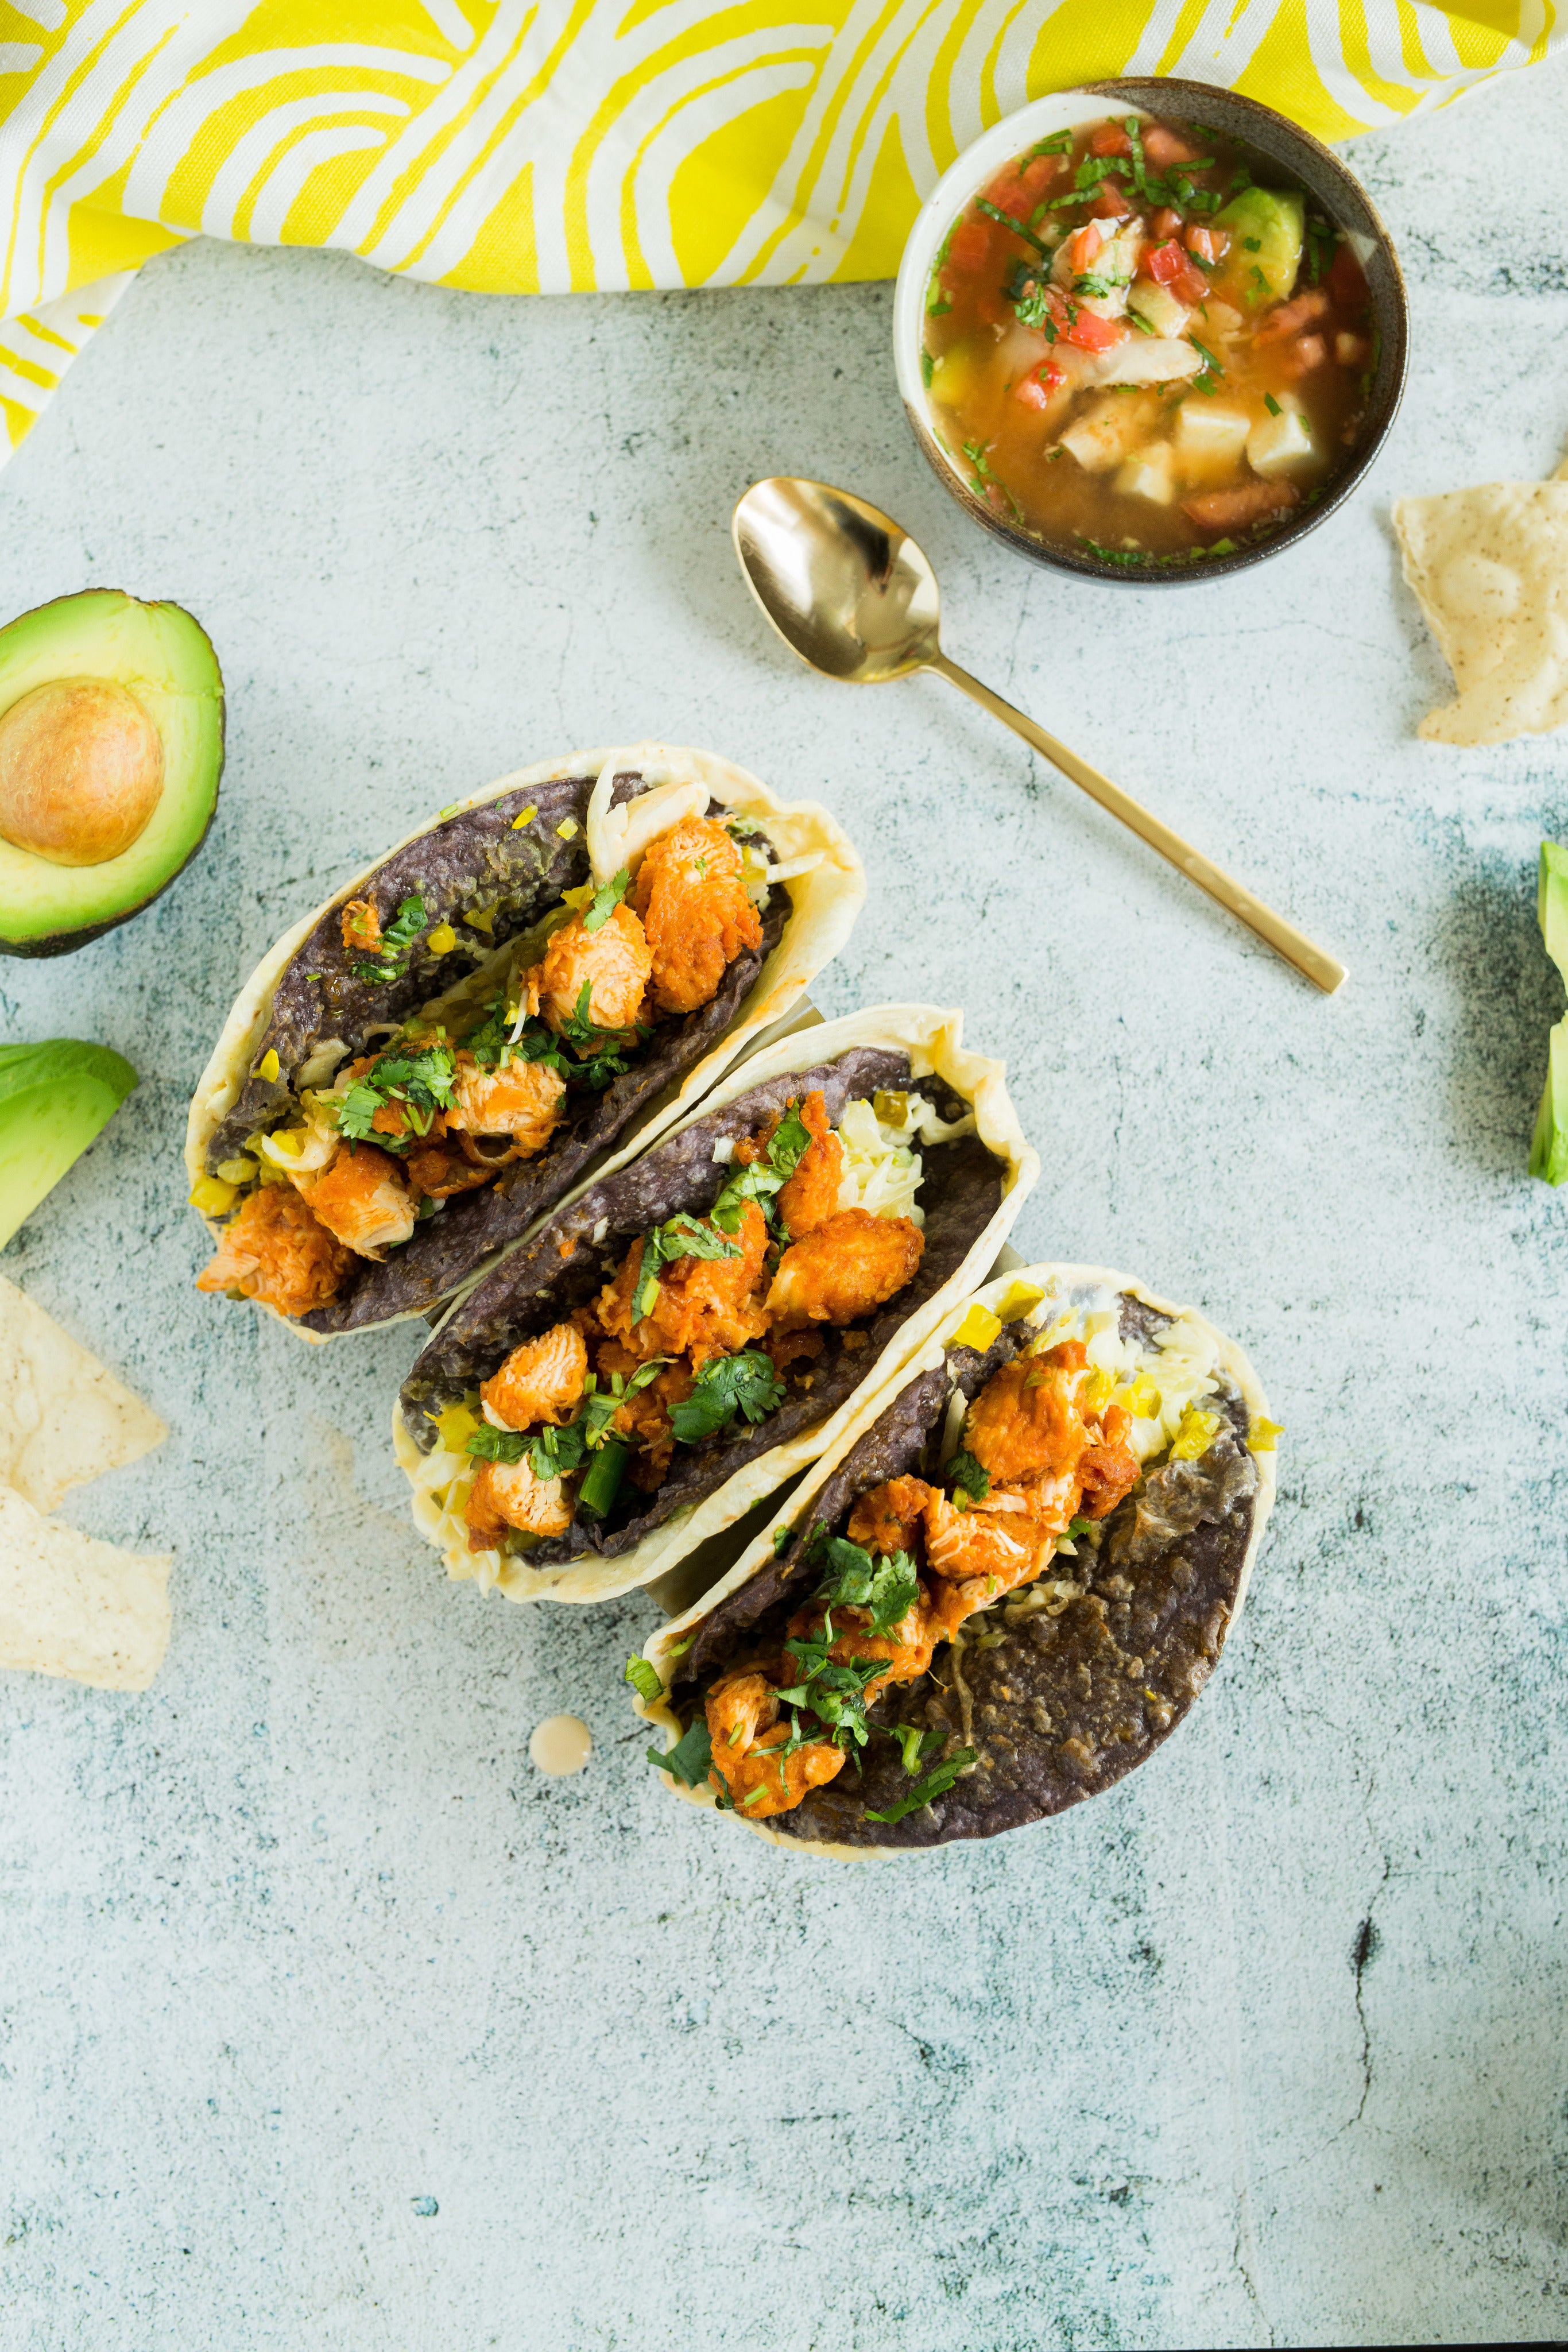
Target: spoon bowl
(845,588)
(853,594)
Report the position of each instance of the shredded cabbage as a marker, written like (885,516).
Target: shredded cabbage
(881,1173)
(1157,1383)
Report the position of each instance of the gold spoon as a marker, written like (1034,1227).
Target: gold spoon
(852,594)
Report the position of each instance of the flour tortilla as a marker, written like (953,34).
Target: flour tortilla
(820,907)
(581,1245)
(75,1607)
(64,1417)
(1026,1772)
(1490,567)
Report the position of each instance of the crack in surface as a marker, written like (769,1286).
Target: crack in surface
(1362,1952)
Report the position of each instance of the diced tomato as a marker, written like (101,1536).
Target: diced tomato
(1165,223)
(1208,244)
(1165,262)
(1112,203)
(1163,148)
(1083,247)
(1036,390)
(1346,281)
(1018,189)
(1091,333)
(967,248)
(1109,139)
(1190,286)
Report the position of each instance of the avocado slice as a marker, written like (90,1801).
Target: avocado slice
(112,745)
(1549,1146)
(53,1098)
(1266,229)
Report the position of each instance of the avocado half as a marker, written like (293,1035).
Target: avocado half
(159,655)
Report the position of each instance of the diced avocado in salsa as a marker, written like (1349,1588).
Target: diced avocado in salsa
(1549,1146)
(1265,230)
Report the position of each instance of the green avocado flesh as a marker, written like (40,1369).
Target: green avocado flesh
(53,1098)
(1549,1146)
(163,658)
(1265,230)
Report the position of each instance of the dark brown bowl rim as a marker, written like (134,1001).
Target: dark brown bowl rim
(1156,93)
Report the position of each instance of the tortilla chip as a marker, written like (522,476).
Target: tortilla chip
(71,1606)
(1490,566)
(63,1417)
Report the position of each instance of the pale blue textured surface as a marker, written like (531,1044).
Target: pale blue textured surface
(323,2018)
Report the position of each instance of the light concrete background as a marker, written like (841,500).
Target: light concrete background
(325,2019)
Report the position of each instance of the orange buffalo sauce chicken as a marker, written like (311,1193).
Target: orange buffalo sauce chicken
(1050,1458)
(769,1299)
(661,952)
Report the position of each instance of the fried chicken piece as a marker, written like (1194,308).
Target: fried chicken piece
(438,1172)
(541,1381)
(907,1646)
(1026,1418)
(507,1495)
(889,1517)
(524,1100)
(695,912)
(843,1269)
(975,1557)
(788,1347)
(744,1726)
(615,961)
(704,1307)
(1108,1469)
(276,1253)
(811,1195)
(644,1420)
(362,927)
(362,1198)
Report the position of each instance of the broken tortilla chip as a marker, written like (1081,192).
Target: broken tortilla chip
(69,1605)
(1490,566)
(64,1417)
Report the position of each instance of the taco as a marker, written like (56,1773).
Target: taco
(689,1334)
(998,1591)
(549,974)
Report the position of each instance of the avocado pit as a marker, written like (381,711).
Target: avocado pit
(81,771)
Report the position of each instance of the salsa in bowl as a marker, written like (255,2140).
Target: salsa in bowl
(1149,331)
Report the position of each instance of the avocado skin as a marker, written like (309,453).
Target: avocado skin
(113,605)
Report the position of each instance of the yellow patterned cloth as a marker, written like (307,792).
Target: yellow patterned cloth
(543,146)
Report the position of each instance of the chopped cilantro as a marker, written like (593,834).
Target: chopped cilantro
(681,1236)
(419,1082)
(496,1444)
(644,1677)
(766,1176)
(1058,143)
(1271,405)
(935,1784)
(832,1692)
(391,959)
(914,1744)
(783,1538)
(1253,244)
(968,1471)
(926,367)
(994,212)
(747,1384)
(691,1758)
(556,1452)
(1213,364)
(605,902)
(853,1577)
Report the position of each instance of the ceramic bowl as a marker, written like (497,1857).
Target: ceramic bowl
(1304,159)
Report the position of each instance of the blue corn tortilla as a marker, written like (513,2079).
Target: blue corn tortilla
(1061,1707)
(477,859)
(564,1266)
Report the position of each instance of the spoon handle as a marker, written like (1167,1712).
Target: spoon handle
(1282,937)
